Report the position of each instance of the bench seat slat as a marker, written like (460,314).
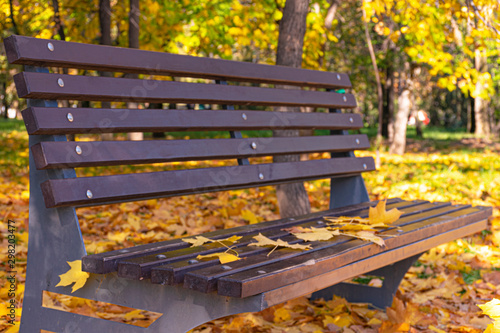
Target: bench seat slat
(251,282)
(54,120)
(50,155)
(309,285)
(107,262)
(34,51)
(205,280)
(97,88)
(115,188)
(172,272)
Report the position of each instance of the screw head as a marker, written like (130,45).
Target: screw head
(89,194)
(351,120)
(193,261)
(261,272)
(161,256)
(70,118)
(60,82)
(345,99)
(261,176)
(253,145)
(226,267)
(244,116)
(357,141)
(365,167)
(338,77)
(50,46)
(78,150)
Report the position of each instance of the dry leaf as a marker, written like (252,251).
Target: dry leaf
(224,257)
(74,275)
(249,216)
(264,241)
(368,236)
(379,216)
(316,234)
(200,240)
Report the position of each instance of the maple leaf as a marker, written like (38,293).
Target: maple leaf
(492,310)
(200,240)
(74,275)
(264,241)
(249,216)
(379,216)
(224,257)
(368,236)
(316,234)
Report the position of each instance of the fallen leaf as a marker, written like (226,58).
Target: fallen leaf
(249,216)
(200,240)
(368,236)
(224,257)
(378,215)
(73,275)
(316,234)
(264,241)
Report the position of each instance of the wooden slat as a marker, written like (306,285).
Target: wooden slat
(33,51)
(107,262)
(205,280)
(115,188)
(140,268)
(98,88)
(101,153)
(308,265)
(54,120)
(309,285)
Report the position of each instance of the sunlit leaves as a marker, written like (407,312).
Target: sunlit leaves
(379,217)
(73,275)
(264,241)
(223,257)
(200,240)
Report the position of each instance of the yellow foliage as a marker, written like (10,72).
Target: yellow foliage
(224,257)
(74,275)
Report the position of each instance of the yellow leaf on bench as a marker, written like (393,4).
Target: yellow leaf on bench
(200,240)
(379,215)
(224,257)
(264,241)
(74,275)
(316,234)
(367,236)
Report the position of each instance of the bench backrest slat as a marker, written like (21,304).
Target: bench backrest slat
(49,155)
(86,120)
(139,186)
(36,52)
(95,88)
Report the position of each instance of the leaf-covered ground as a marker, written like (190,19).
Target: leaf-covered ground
(439,294)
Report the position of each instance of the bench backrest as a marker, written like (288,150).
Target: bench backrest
(313,89)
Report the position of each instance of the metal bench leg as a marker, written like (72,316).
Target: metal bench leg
(378,297)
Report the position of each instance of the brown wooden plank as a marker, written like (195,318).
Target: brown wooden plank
(106,262)
(49,155)
(205,273)
(35,52)
(140,268)
(98,88)
(308,265)
(115,188)
(309,285)
(85,120)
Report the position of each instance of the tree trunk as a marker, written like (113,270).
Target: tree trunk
(11,16)
(481,113)
(388,121)
(292,198)
(133,42)
(380,94)
(398,145)
(105,39)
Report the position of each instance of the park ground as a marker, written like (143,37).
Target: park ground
(440,293)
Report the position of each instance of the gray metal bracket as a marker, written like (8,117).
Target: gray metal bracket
(378,297)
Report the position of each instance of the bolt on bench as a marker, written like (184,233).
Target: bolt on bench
(165,277)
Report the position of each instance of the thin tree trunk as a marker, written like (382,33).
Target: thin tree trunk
(398,145)
(483,128)
(133,42)
(380,95)
(292,198)
(105,39)
(11,16)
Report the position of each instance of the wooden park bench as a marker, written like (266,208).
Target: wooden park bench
(166,277)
